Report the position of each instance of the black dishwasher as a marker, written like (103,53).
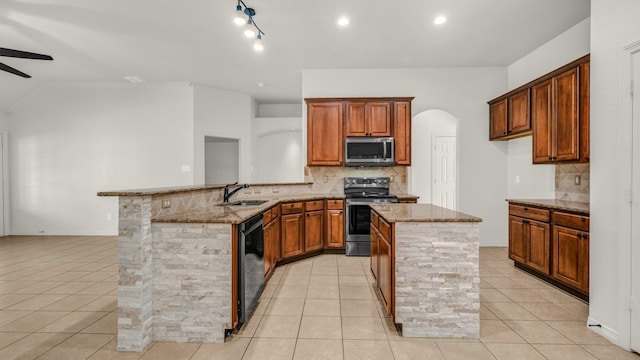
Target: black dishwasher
(250,265)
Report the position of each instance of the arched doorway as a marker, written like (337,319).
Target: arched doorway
(434,165)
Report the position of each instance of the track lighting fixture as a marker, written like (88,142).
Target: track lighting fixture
(251,29)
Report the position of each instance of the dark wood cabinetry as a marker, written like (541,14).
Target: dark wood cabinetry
(331,120)
(271,220)
(553,108)
(292,230)
(335,224)
(553,244)
(402,132)
(368,118)
(382,259)
(571,250)
(313,225)
(509,117)
(529,234)
(325,121)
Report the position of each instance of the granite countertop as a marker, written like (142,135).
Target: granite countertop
(553,204)
(227,214)
(420,213)
(180,189)
(407,197)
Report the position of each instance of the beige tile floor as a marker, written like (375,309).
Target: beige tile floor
(58,301)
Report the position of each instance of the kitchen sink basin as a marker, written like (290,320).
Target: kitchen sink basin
(247,203)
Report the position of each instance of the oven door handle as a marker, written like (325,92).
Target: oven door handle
(349,202)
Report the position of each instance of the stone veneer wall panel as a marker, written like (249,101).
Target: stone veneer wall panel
(135,273)
(437,279)
(191,282)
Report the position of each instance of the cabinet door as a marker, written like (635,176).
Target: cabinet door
(335,229)
(356,119)
(402,132)
(268,249)
(384,272)
(498,119)
(292,235)
(584,111)
(275,244)
(375,242)
(517,249)
(538,246)
(542,121)
(567,128)
(313,238)
(518,119)
(324,133)
(570,257)
(378,118)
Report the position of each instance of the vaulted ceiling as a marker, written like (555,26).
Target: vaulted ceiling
(197,41)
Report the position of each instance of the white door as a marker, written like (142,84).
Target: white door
(444,172)
(635,208)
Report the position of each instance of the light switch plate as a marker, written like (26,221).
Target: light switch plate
(576,180)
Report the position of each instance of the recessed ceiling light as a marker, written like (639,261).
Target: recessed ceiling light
(134,79)
(343,21)
(440,20)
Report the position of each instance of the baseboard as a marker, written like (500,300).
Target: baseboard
(70,233)
(603,330)
(493,244)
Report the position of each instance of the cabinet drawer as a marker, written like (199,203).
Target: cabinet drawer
(529,212)
(314,205)
(374,219)
(291,208)
(385,229)
(267,216)
(580,222)
(335,204)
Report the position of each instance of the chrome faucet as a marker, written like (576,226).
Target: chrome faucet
(228,194)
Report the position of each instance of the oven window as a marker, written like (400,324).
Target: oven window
(359,219)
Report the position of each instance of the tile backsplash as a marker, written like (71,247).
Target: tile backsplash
(566,187)
(329,179)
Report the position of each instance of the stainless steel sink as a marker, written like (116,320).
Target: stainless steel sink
(247,203)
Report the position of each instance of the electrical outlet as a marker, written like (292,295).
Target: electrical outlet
(576,180)
(166,204)
(325,178)
(391,178)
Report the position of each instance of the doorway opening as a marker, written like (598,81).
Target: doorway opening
(434,170)
(221,160)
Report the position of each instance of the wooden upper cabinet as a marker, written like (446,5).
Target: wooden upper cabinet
(325,133)
(585,96)
(498,119)
(556,118)
(509,117)
(518,119)
(402,132)
(368,118)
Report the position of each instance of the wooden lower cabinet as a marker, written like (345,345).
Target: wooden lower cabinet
(375,244)
(335,229)
(384,272)
(292,235)
(313,230)
(555,245)
(268,248)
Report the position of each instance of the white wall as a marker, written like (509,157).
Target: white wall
(462,92)
(538,181)
(277,150)
(614,25)
(424,127)
(69,142)
(221,113)
(279,110)
(221,162)
(3,121)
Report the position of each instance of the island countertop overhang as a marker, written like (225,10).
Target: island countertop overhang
(420,213)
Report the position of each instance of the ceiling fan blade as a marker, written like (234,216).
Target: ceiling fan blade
(8,68)
(23,54)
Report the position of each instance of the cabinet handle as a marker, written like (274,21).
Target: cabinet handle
(526,209)
(579,236)
(583,219)
(504,133)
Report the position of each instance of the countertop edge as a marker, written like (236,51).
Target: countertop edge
(552,204)
(466,218)
(181,189)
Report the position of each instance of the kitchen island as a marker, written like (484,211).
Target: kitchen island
(425,259)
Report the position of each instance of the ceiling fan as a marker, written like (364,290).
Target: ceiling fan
(21,55)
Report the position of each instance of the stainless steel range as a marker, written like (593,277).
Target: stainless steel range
(359,193)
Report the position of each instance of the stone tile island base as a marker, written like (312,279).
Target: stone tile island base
(437,279)
(174,279)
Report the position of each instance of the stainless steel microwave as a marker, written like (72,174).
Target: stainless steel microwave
(369,151)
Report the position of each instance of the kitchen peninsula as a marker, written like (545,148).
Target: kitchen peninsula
(177,249)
